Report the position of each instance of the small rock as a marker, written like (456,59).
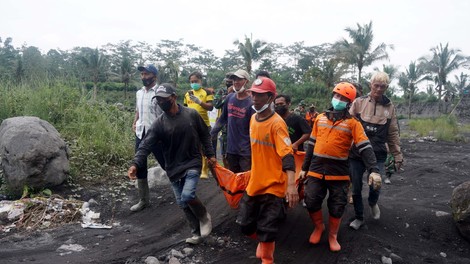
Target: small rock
(444,255)
(441,213)
(188,251)
(386,260)
(176,253)
(151,260)
(173,260)
(396,258)
(407,225)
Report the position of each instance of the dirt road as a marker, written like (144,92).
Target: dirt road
(414,226)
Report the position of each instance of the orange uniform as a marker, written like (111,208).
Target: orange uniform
(331,144)
(271,142)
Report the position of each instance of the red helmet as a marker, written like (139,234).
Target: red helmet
(345,89)
(263,85)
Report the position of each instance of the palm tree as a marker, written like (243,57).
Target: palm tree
(252,51)
(126,74)
(442,62)
(359,51)
(409,80)
(95,63)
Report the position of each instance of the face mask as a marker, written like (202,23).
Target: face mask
(281,110)
(264,107)
(148,81)
(241,89)
(338,104)
(195,86)
(165,106)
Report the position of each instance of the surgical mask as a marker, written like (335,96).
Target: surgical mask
(264,107)
(281,110)
(148,81)
(165,105)
(241,90)
(195,86)
(338,105)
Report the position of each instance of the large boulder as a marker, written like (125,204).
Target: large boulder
(32,153)
(460,203)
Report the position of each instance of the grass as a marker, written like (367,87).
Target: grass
(98,135)
(445,128)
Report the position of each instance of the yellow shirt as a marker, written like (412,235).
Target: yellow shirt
(270,142)
(205,97)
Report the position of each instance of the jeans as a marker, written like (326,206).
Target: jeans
(185,188)
(357,169)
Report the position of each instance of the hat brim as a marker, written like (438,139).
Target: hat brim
(258,90)
(164,95)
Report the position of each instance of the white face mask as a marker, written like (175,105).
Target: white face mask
(241,90)
(264,107)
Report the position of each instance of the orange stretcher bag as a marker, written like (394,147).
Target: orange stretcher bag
(233,184)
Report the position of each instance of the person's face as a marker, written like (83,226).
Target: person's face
(238,83)
(228,83)
(377,89)
(146,75)
(195,79)
(166,103)
(281,101)
(260,99)
(340,97)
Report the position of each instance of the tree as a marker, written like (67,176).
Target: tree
(96,65)
(409,80)
(359,51)
(252,51)
(442,62)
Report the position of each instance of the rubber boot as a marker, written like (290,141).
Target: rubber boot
(267,252)
(144,200)
(205,169)
(199,210)
(333,233)
(194,224)
(317,219)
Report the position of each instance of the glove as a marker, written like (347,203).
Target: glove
(375,180)
(195,99)
(302,174)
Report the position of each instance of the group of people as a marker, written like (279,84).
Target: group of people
(260,134)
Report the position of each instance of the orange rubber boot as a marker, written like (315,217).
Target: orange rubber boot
(267,252)
(317,219)
(333,234)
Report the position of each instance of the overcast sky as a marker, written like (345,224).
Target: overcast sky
(412,26)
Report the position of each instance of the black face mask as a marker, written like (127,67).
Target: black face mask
(148,81)
(165,105)
(281,110)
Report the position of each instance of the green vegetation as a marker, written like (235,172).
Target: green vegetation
(443,128)
(98,135)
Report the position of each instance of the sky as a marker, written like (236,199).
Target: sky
(412,26)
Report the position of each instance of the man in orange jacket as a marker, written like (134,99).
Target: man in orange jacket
(272,172)
(326,162)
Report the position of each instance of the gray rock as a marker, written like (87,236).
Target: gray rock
(157,176)
(175,253)
(188,251)
(174,260)
(460,203)
(386,260)
(151,260)
(396,258)
(32,153)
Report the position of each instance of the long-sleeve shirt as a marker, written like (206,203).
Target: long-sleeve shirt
(182,136)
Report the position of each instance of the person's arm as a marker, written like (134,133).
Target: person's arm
(145,147)
(204,135)
(221,121)
(393,141)
(207,105)
(136,117)
(306,130)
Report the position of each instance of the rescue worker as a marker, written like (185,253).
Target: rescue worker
(326,165)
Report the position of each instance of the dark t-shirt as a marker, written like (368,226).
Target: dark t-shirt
(297,126)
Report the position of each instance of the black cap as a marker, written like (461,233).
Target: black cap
(165,90)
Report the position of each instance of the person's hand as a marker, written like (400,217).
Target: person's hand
(132,172)
(195,99)
(295,146)
(398,165)
(302,174)
(375,180)
(212,162)
(292,195)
